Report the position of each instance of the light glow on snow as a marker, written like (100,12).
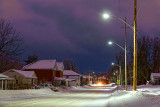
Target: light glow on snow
(99,84)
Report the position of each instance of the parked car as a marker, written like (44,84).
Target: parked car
(36,87)
(46,85)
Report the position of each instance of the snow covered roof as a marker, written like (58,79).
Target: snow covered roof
(42,64)
(3,76)
(60,66)
(70,72)
(155,74)
(26,74)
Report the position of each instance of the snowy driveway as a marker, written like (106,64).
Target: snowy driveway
(81,97)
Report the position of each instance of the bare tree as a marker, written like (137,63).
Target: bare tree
(10,41)
(6,64)
(10,46)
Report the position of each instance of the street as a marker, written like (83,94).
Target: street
(86,96)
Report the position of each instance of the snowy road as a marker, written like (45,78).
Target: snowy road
(86,96)
(83,97)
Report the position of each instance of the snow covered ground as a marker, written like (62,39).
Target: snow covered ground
(86,96)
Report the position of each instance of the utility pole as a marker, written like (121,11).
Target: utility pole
(120,75)
(135,48)
(89,76)
(125,55)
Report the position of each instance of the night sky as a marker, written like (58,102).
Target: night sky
(74,29)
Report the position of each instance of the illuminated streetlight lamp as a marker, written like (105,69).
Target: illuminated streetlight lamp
(112,63)
(105,15)
(110,42)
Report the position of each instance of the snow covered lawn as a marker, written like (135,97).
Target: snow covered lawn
(28,93)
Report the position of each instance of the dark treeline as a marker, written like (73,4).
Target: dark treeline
(148,57)
(148,60)
(70,64)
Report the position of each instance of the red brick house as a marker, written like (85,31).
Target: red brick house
(45,70)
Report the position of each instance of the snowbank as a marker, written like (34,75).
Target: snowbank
(28,93)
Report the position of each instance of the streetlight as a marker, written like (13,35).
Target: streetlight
(110,42)
(134,43)
(125,49)
(119,71)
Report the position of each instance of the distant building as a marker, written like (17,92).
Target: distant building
(104,78)
(72,77)
(155,78)
(87,79)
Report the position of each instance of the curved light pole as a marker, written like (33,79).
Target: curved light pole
(120,75)
(111,42)
(107,16)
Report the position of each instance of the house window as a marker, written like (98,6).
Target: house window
(58,74)
(16,81)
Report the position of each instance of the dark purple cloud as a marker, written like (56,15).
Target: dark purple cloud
(73,29)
